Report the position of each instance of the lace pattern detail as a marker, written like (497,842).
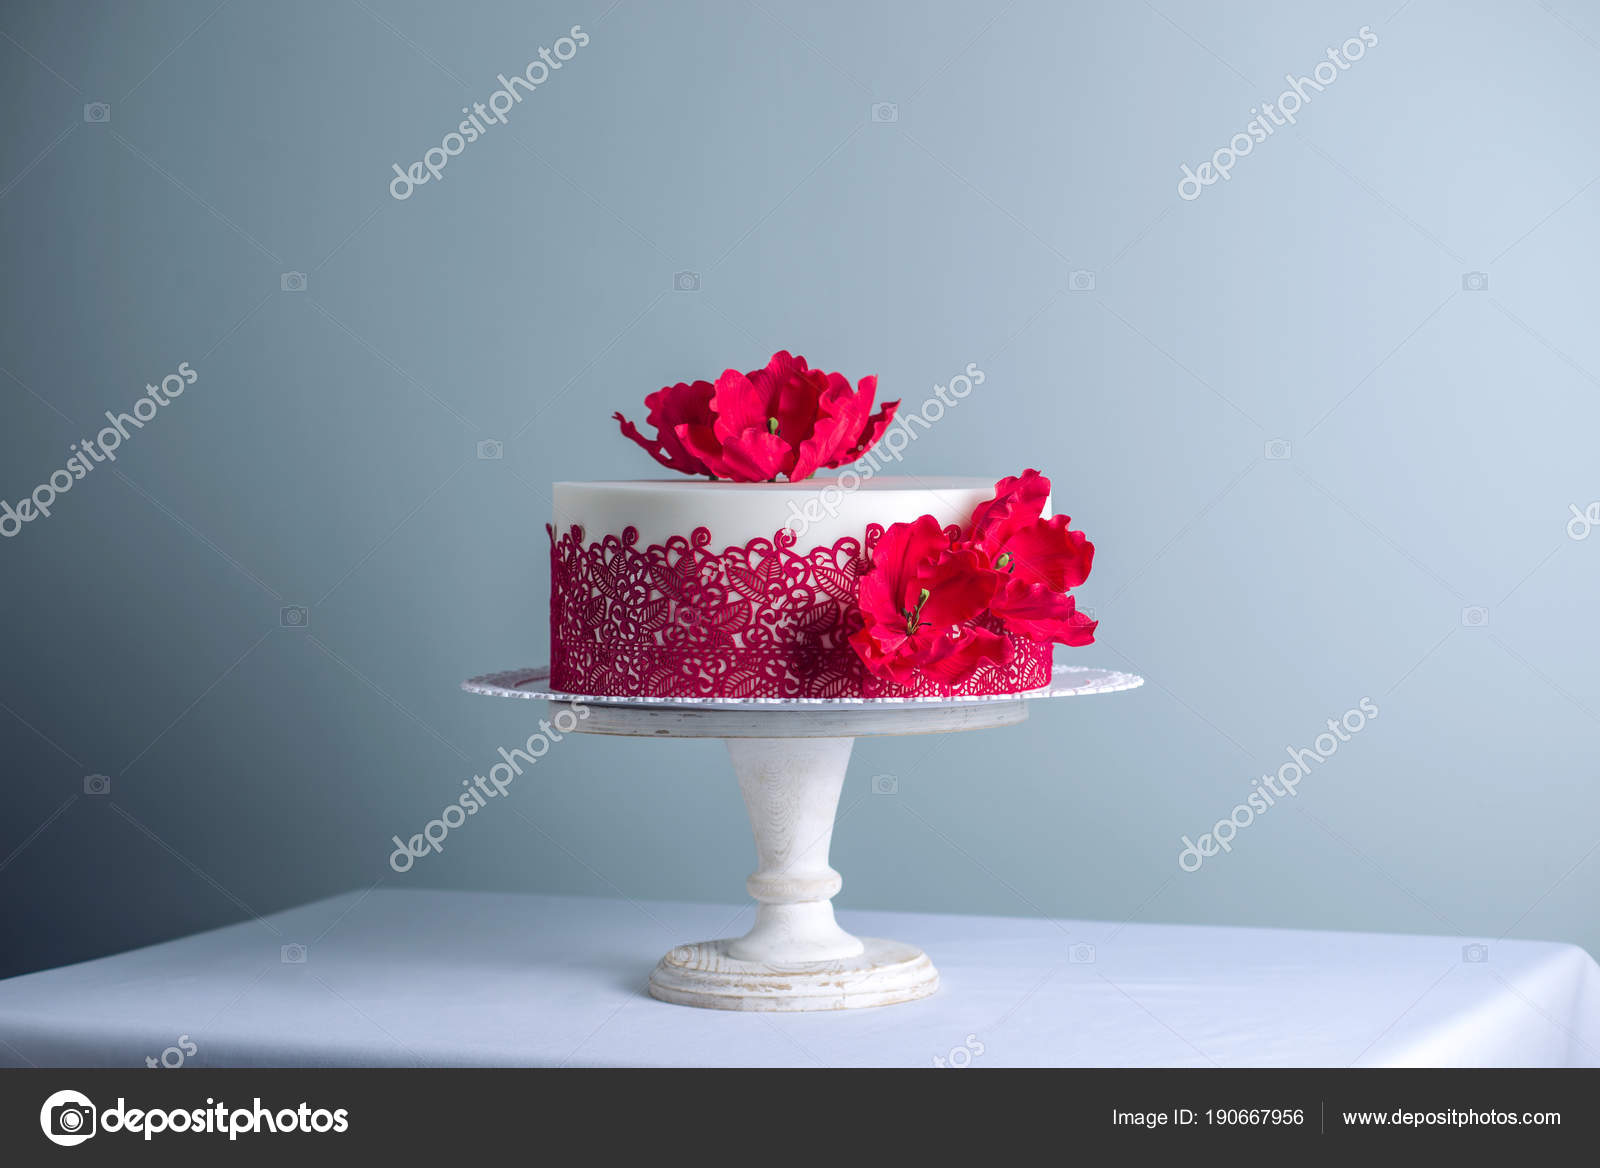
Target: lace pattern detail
(762,620)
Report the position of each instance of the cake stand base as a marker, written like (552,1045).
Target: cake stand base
(796,957)
(705,975)
(790,759)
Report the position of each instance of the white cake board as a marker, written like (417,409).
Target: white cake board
(790,758)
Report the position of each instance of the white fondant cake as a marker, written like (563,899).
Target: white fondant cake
(818,513)
(731,589)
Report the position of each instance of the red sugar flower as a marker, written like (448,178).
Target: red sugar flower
(944,607)
(670,407)
(784,419)
(921,601)
(1041,561)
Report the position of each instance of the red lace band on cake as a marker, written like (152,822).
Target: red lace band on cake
(758,621)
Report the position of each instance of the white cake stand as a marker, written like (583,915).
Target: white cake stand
(790,758)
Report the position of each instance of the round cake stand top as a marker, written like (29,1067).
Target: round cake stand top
(797,718)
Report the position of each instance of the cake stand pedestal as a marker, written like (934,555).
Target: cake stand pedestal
(790,760)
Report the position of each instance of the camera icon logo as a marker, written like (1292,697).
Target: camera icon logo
(1475,954)
(884,112)
(294,617)
(67,1118)
(1475,616)
(1475,281)
(292,955)
(1081,280)
(97,113)
(97,784)
(491,449)
(1081,954)
(1277,449)
(885,785)
(292,281)
(686,281)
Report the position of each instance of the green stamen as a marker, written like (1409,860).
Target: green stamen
(772,425)
(912,621)
(1004,562)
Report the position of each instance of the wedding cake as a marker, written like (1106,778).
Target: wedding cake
(845,584)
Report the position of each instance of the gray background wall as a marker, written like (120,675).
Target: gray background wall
(327,457)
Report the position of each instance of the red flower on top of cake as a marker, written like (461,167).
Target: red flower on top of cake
(672,407)
(944,606)
(786,419)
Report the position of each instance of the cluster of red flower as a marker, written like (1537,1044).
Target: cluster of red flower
(941,606)
(933,602)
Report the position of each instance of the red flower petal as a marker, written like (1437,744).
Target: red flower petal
(1017,501)
(866,391)
(817,449)
(781,366)
(1048,553)
(959,588)
(885,658)
(1036,611)
(848,409)
(701,443)
(673,405)
(756,456)
(653,449)
(670,407)
(875,428)
(951,660)
(797,406)
(900,551)
(740,405)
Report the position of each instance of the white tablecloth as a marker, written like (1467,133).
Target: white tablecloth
(444,979)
